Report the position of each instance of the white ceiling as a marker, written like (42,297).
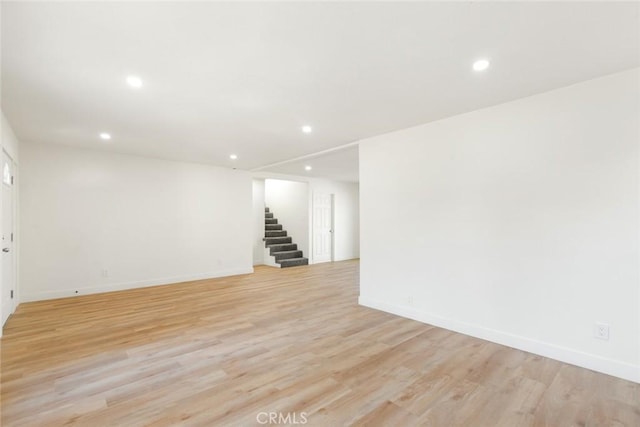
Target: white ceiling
(222,78)
(338,164)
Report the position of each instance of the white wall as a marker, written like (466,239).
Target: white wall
(144,221)
(289,202)
(258,221)
(9,143)
(517,223)
(346,232)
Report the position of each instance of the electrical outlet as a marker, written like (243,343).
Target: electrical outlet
(105,273)
(601,331)
(410,301)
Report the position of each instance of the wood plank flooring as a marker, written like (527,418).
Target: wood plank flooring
(220,352)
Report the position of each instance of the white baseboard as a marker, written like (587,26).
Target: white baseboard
(594,362)
(63,293)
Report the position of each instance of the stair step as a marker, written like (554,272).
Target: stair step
(287,255)
(273,227)
(266,209)
(276,240)
(282,247)
(270,221)
(268,215)
(275,233)
(293,262)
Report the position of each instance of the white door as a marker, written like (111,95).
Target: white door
(322,227)
(7,298)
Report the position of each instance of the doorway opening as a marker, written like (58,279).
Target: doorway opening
(8,295)
(323,219)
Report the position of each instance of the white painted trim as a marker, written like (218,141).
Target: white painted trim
(15,232)
(39,296)
(612,367)
(312,233)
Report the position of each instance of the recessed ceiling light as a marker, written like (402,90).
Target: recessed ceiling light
(105,136)
(306,129)
(308,168)
(134,81)
(233,156)
(481,64)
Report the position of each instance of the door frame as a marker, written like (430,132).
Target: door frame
(332,226)
(14,246)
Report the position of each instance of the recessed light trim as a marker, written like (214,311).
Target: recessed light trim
(105,136)
(307,129)
(233,156)
(308,168)
(134,81)
(481,64)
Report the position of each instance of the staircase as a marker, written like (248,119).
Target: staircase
(280,250)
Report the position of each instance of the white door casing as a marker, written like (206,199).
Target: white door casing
(8,296)
(322,219)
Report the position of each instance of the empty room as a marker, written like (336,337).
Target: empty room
(320,213)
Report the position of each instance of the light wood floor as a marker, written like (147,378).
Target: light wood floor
(219,352)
